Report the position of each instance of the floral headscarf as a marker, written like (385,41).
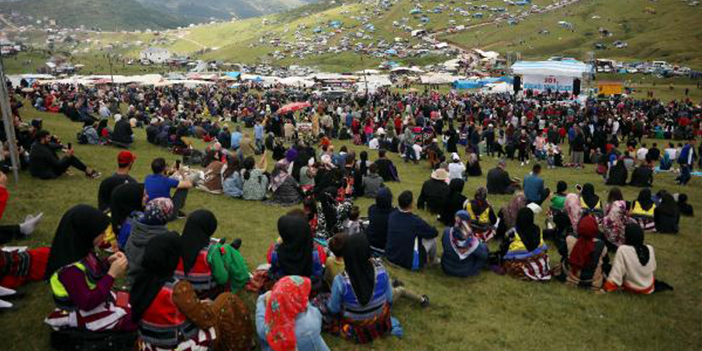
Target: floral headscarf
(573,209)
(461,235)
(614,222)
(288,298)
(157,211)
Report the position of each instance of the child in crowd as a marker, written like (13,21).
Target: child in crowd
(352,225)
(335,261)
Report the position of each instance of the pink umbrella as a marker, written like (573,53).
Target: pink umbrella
(292,107)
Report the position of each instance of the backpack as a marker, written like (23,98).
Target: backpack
(82,138)
(192,157)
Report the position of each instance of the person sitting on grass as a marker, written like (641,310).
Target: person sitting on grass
(80,281)
(378,215)
(666,216)
(642,176)
(524,253)
(618,174)
(386,169)
(434,192)
(482,215)
(145,226)
(454,202)
(643,210)
(159,185)
(615,218)
(590,201)
(634,266)
(372,182)
(534,189)
(411,241)
(170,315)
(122,136)
(362,295)
(125,160)
(584,260)
(464,255)
(499,181)
(127,202)
(44,164)
(285,318)
(295,253)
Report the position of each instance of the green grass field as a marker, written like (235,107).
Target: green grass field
(672,33)
(487,312)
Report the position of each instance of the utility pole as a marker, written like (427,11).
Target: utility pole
(8,123)
(109,61)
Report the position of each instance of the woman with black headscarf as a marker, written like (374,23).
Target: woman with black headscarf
(667,215)
(618,174)
(170,315)
(643,210)
(454,202)
(331,213)
(524,253)
(80,281)
(482,216)
(634,264)
(194,266)
(590,201)
(361,295)
(125,199)
(296,253)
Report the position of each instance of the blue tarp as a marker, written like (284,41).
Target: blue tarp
(234,74)
(335,24)
(466,84)
(391,52)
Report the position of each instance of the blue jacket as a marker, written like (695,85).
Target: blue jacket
(403,229)
(308,327)
(533,187)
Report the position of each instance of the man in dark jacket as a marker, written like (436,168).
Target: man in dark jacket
(499,181)
(435,191)
(404,228)
(123,134)
(44,164)
(378,214)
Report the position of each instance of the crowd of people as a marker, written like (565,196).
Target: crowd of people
(327,270)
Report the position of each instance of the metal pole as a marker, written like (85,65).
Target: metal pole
(8,122)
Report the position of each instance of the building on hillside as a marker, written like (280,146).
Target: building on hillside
(154,55)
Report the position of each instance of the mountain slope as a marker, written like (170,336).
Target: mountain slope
(201,11)
(652,31)
(103,14)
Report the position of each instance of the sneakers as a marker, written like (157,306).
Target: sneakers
(182,215)
(425,301)
(30,224)
(94,175)
(522,164)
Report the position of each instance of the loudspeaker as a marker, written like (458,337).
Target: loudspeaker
(517,84)
(576,86)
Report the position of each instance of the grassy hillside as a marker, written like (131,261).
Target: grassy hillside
(103,14)
(672,33)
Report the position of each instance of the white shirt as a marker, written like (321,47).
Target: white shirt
(374,144)
(417,151)
(641,153)
(672,152)
(456,170)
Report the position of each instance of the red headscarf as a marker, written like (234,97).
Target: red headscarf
(587,232)
(287,299)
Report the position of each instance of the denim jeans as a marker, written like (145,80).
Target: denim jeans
(308,328)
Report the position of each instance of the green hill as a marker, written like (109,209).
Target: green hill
(104,14)
(665,30)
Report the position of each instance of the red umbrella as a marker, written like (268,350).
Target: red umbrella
(292,107)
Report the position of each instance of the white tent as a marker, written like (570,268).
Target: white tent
(297,82)
(574,69)
(437,78)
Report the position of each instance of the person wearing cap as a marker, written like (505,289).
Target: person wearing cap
(456,168)
(435,191)
(125,160)
(123,135)
(499,181)
(44,164)
(534,189)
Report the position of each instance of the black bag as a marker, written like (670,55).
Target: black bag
(192,157)
(82,138)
